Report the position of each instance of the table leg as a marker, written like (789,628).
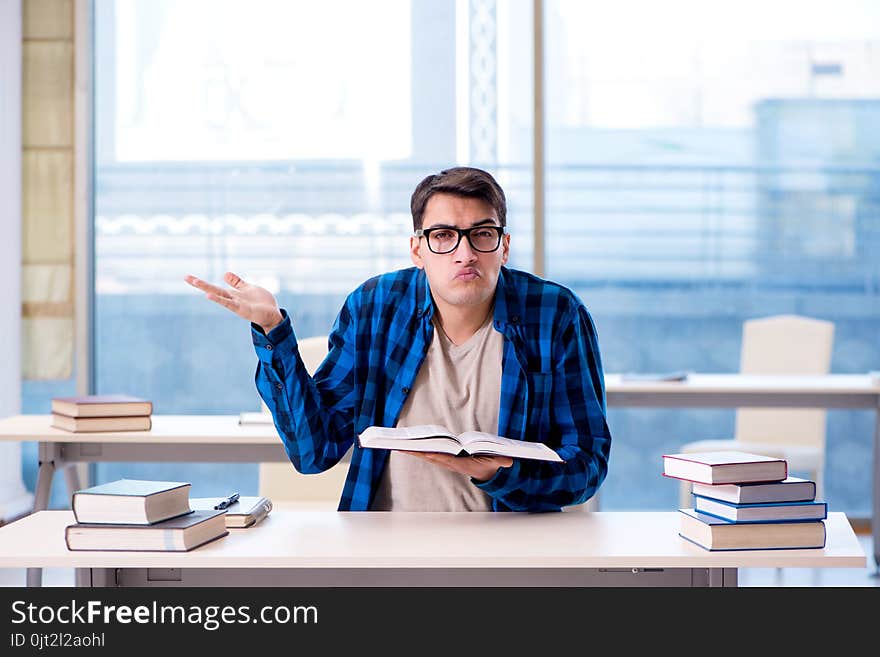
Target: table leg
(875,507)
(82,577)
(71,475)
(45,474)
(95,577)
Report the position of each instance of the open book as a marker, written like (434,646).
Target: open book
(654,376)
(244,512)
(434,438)
(255,417)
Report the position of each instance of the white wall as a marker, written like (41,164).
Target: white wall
(14,498)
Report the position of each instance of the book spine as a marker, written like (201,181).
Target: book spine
(729,519)
(693,481)
(72,508)
(261,513)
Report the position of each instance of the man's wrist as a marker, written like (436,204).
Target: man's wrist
(267,327)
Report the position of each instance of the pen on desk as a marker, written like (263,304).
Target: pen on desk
(229,501)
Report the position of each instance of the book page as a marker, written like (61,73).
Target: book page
(404,433)
(469,437)
(480,442)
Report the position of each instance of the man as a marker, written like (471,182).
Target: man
(458,340)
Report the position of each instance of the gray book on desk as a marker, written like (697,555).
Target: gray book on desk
(131,501)
(179,534)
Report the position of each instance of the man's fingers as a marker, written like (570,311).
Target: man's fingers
(425,456)
(233,280)
(500,461)
(433,457)
(207,287)
(226,301)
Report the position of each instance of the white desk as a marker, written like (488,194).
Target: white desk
(853,391)
(329,548)
(217,438)
(741,390)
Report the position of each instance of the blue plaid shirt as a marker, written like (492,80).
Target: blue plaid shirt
(552,387)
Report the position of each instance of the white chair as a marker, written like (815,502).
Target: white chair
(781,345)
(313,350)
(281,483)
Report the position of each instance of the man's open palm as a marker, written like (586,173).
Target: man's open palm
(252,302)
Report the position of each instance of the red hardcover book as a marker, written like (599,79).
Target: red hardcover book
(724,467)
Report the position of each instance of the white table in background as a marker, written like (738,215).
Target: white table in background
(172,438)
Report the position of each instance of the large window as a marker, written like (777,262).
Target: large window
(708,163)
(280,140)
(705,163)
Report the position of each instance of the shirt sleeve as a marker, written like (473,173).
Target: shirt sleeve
(313,414)
(578,430)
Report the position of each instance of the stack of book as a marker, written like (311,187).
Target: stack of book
(139,515)
(745,501)
(101,413)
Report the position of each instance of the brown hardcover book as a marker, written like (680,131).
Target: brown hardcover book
(101,406)
(179,534)
(94,424)
(713,533)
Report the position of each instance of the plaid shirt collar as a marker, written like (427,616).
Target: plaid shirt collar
(508,305)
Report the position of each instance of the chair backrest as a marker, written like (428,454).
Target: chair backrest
(784,345)
(313,350)
(280,481)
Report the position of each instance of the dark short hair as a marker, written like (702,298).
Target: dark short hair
(468,182)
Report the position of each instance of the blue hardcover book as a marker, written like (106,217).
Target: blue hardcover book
(712,533)
(763,512)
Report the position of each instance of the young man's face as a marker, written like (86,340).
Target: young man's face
(465,276)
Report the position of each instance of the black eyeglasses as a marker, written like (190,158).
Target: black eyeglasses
(484,239)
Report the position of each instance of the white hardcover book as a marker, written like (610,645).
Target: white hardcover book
(790,489)
(433,438)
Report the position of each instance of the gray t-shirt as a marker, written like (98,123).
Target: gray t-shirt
(458,387)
